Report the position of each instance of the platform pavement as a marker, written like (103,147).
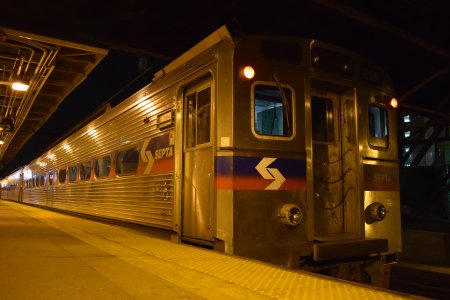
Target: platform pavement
(49,255)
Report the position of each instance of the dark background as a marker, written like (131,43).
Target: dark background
(409,39)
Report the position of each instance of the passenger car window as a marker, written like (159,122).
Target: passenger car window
(127,162)
(73,170)
(272,111)
(85,171)
(51,177)
(103,166)
(62,176)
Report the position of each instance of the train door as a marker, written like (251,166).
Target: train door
(197,164)
(336,207)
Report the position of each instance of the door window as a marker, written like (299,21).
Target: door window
(378,126)
(198,118)
(322,119)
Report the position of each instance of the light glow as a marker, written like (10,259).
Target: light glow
(16,175)
(248,72)
(67,148)
(42,164)
(20,86)
(27,174)
(393,103)
(93,133)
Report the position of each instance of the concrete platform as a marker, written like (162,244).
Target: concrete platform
(49,255)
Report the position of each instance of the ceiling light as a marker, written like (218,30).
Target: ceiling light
(20,86)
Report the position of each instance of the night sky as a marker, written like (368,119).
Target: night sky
(409,39)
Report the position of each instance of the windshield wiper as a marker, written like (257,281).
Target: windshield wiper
(286,108)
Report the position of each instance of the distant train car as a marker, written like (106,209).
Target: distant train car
(273,148)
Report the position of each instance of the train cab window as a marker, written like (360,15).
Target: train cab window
(322,115)
(127,162)
(85,171)
(102,166)
(378,126)
(62,174)
(73,170)
(198,125)
(272,111)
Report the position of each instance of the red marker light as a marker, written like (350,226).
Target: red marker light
(393,103)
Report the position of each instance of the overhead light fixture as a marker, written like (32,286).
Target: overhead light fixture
(20,86)
(2,142)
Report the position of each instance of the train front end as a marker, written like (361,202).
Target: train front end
(312,161)
(266,165)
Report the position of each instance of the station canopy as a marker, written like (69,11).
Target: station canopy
(37,74)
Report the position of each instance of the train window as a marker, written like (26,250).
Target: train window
(73,170)
(322,119)
(85,171)
(198,125)
(127,162)
(103,166)
(62,176)
(272,110)
(378,126)
(42,180)
(51,178)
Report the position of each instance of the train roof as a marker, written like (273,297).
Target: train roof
(214,38)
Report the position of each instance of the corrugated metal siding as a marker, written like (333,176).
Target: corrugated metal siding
(12,194)
(140,199)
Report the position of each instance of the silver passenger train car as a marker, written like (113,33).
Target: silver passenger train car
(273,148)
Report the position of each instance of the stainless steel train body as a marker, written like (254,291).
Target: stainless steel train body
(296,165)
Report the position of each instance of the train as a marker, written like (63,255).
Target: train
(275,148)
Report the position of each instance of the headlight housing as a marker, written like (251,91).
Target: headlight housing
(290,214)
(375,212)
